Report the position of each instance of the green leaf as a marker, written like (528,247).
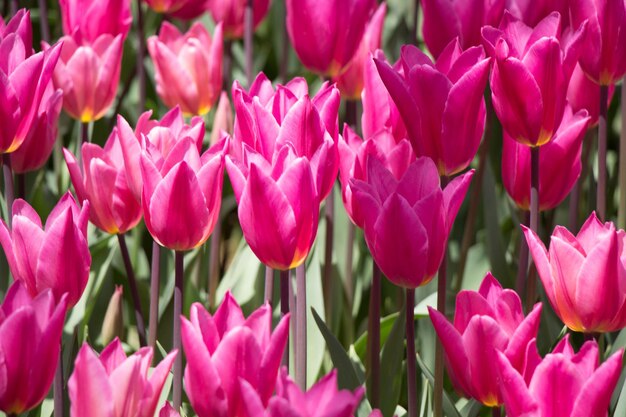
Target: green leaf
(448,406)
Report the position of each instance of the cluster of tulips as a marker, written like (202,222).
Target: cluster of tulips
(546,70)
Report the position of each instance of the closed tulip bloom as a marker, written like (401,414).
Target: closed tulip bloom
(442,104)
(114,385)
(103,182)
(532,12)
(321,400)
(583,93)
(232,12)
(529,80)
(181,9)
(603,57)
(87,20)
(168,411)
(326,35)
(564,384)
(584,275)
(407,221)
(182,193)
(350,82)
(30,340)
(188,67)
(25,76)
(226,348)
(559,162)
(445,20)
(55,257)
(487,321)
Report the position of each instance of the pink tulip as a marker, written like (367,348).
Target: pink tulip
(114,385)
(89,75)
(224,349)
(603,57)
(168,411)
(584,275)
(326,35)
(530,75)
(162,134)
(231,14)
(583,93)
(30,339)
(188,67)
(103,182)
(25,77)
(87,20)
(559,162)
(353,155)
(532,12)
(350,81)
(565,384)
(55,257)
(407,221)
(181,9)
(182,192)
(445,20)
(485,322)
(321,400)
(442,104)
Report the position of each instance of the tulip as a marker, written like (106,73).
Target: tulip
(168,411)
(182,192)
(559,162)
(564,384)
(445,20)
(407,221)
(326,35)
(584,275)
(55,257)
(532,12)
(226,348)
(603,58)
(188,67)
(114,385)
(487,321)
(322,400)
(30,340)
(442,104)
(350,82)
(25,78)
(87,20)
(530,75)
(231,14)
(103,182)
(583,93)
(89,75)
(181,9)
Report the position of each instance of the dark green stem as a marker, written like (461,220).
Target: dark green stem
(522,264)
(43,21)
(155,282)
(373,337)
(141,53)
(248,40)
(132,282)
(328,255)
(411,376)
(58,386)
(531,284)
(301,355)
(9,194)
(177,395)
(602,149)
(214,263)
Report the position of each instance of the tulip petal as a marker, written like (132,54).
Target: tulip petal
(595,395)
(89,389)
(547,386)
(517,399)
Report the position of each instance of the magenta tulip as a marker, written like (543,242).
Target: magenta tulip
(168,411)
(182,192)
(530,75)
(103,182)
(564,384)
(55,257)
(181,9)
(225,349)
(445,20)
(321,400)
(188,67)
(114,385)
(87,20)
(532,12)
(326,35)
(559,162)
(584,275)
(30,339)
(485,322)
(407,221)
(442,104)
(231,14)
(583,93)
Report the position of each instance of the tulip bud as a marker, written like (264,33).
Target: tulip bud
(231,14)
(113,323)
(87,20)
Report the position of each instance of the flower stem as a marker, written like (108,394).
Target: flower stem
(20,182)
(177,395)
(531,284)
(214,263)
(301,327)
(248,40)
(602,147)
(328,255)
(284,306)
(58,386)
(43,21)
(227,63)
(130,274)
(522,264)
(14,7)
(9,194)
(141,53)
(269,284)
(410,353)
(373,338)
(350,119)
(496,411)
(155,278)
(416,15)
(284,53)
(621,222)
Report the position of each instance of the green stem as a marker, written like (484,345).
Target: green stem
(621,222)
(602,149)
(155,278)
(328,255)
(132,282)
(269,284)
(301,348)
(214,263)
(177,395)
(531,284)
(141,53)
(248,40)
(9,194)
(58,386)
(411,376)
(284,307)
(373,338)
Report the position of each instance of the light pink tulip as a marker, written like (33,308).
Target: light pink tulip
(226,348)
(87,20)
(181,9)
(30,340)
(564,384)
(188,67)
(584,275)
(583,93)
(102,180)
(114,385)
(55,257)
(485,322)
(231,14)
(407,221)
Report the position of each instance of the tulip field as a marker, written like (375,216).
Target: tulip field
(313,208)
